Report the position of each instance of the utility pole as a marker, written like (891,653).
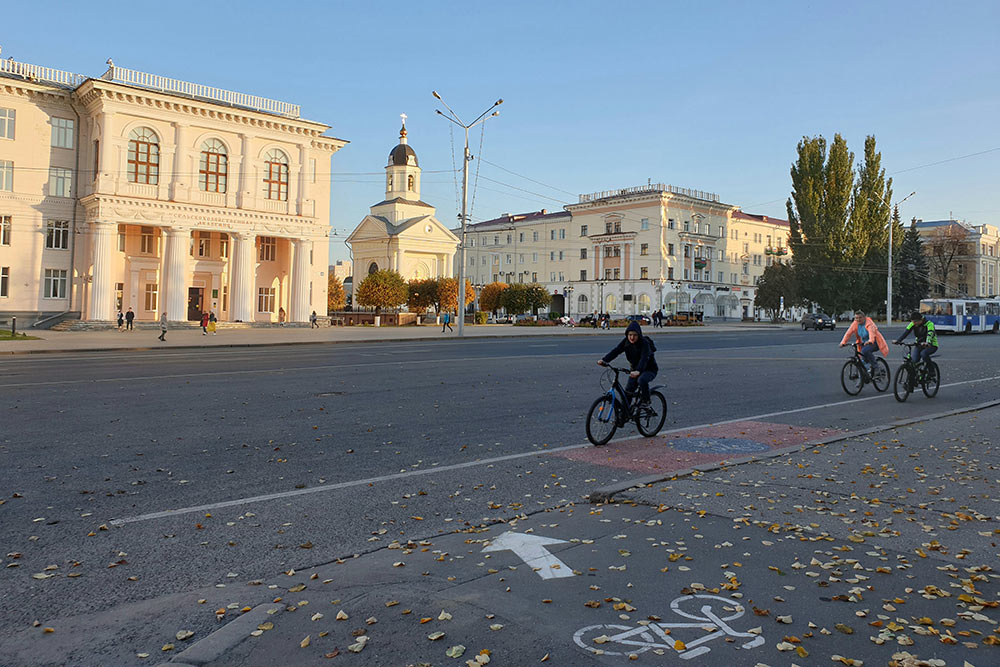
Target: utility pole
(466,158)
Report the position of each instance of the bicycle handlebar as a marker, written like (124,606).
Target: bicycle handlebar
(616,368)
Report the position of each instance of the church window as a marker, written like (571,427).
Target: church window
(409,183)
(372,268)
(214,166)
(388,182)
(276,178)
(143,156)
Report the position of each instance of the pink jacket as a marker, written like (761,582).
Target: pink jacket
(873,335)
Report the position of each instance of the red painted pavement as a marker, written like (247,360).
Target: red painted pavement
(654,455)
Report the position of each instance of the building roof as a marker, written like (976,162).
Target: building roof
(508,219)
(401,200)
(750,217)
(399,156)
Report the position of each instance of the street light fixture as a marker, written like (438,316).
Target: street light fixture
(568,296)
(453,117)
(888,279)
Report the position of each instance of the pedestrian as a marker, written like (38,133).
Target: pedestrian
(594,320)
(204,324)
(446,322)
(281,317)
(163,327)
(313,324)
(121,320)
(213,322)
(129,317)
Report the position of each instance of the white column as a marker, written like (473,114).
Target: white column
(178,247)
(102,289)
(242,277)
(300,281)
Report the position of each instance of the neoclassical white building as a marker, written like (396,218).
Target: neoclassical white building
(136,191)
(401,233)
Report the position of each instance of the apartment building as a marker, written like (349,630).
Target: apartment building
(963,259)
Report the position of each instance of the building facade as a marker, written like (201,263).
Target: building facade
(963,259)
(633,251)
(136,191)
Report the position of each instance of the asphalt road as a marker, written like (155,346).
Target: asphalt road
(145,477)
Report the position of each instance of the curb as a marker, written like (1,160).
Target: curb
(605,494)
(222,640)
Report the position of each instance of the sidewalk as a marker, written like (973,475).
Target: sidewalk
(145,339)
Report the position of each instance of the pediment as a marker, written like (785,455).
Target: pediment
(372,227)
(425,228)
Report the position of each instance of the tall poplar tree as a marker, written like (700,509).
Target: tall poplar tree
(911,283)
(867,239)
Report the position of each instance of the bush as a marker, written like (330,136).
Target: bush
(554,316)
(481,317)
(534,323)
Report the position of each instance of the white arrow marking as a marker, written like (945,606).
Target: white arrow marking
(531,549)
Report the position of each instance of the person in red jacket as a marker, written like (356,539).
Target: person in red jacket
(867,337)
(204,324)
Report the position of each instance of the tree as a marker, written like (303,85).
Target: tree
(777,281)
(422,294)
(336,298)
(818,212)
(448,294)
(911,283)
(866,253)
(942,245)
(382,289)
(514,299)
(489,298)
(538,297)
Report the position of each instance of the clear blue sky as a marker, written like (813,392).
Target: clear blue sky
(597,95)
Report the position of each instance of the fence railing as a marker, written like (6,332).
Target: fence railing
(42,74)
(167,85)
(651,187)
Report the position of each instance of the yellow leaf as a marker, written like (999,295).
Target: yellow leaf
(305,642)
(801,651)
(679,645)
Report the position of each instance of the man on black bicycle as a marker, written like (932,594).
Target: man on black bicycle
(923,331)
(639,350)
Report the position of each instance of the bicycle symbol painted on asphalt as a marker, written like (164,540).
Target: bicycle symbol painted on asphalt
(645,637)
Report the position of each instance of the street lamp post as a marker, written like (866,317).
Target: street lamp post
(453,117)
(888,279)
(568,296)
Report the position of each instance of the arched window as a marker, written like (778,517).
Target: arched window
(372,268)
(143,156)
(409,182)
(644,303)
(609,303)
(582,304)
(214,166)
(276,178)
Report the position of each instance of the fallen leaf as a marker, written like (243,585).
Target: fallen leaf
(455,651)
(305,642)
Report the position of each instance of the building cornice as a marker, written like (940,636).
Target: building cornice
(26,89)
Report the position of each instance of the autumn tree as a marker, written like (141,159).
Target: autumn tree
(422,294)
(943,244)
(447,298)
(336,298)
(777,281)
(489,298)
(382,289)
(910,284)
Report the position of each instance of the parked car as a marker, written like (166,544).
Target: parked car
(500,319)
(587,319)
(641,319)
(818,321)
(524,318)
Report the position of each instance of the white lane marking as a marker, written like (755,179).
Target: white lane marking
(531,549)
(486,462)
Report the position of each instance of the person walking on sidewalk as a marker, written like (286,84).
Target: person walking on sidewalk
(163,327)
(213,322)
(121,321)
(281,317)
(313,324)
(446,322)
(204,324)
(129,317)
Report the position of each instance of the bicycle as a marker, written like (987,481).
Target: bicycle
(910,373)
(617,407)
(854,375)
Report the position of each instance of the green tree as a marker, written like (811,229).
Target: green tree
(538,297)
(514,299)
(911,283)
(382,289)
(336,299)
(818,213)
(866,249)
(489,298)
(777,281)
(422,294)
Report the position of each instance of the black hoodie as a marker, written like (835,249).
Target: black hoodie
(640,355)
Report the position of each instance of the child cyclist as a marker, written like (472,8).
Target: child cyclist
(923,331)
(639,351)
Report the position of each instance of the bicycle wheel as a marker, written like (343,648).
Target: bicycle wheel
(881,376)
(601,421)
(635,640)
(932,379)
(650,420)
(903,383)
(851,378)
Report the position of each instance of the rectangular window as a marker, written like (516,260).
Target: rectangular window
(534,257)
(119,295)
(55,284)
(520,237)
(224,246)
(671,224)
(552,235)
(268,252)
(7,123)
(508,239)
(57,234)
(472,241)
(147,242)
(722,231)
(583,253)
(534,277)
(509,258)
(265,299)
(643,272)
(4,281)
(496,239)
(608,227)
(552,277)
(560,255)
(225,298)
(150,297)
(204,244)
(607,274)
(583,274)
(687,225)
(670,249)
(644,224)
(644,249)
(618,251)
(6,175)
(552,255)
(697,274)
(687,251)
(562,276)
(670,273)
(687,274)
(721,279)
(121,241)
(618,273)
(618,227)
(746,268)
(562,233)
(534,236)
(62,133)
(60,182)
(5,230)
(583,230)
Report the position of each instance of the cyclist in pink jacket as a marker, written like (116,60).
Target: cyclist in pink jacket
(867,337)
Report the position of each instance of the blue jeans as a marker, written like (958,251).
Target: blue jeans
(643,381)
(924,353)
(868,354)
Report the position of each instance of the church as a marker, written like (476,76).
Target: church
(401,233)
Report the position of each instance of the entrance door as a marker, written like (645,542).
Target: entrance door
(196,303)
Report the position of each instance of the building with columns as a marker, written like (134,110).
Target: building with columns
(132,190)
(401,233)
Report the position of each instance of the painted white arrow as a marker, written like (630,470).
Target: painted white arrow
(531,549)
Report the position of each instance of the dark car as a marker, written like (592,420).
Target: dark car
(818,321)
(588,319)
(641,319)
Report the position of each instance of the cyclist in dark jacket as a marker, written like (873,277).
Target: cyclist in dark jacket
(923,331)
(641,358)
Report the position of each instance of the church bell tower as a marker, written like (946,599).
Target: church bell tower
(402,174)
